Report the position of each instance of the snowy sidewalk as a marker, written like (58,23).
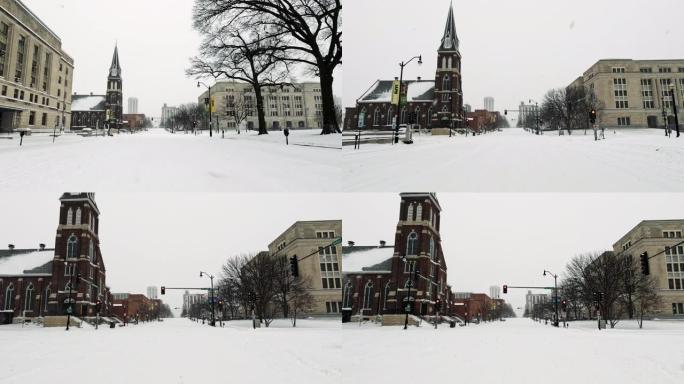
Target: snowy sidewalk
(517,161)
(173,351)
(158,161)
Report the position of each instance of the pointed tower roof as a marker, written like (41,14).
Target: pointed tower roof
(450,38)
(115,69)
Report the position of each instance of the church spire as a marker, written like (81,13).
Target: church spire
(450,38)
(115,69)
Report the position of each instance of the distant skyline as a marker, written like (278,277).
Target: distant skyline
(155,38)
(497,239)
(512,50)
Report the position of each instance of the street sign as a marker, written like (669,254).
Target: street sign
(338,241)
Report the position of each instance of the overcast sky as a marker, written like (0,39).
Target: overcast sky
(166,239)
(156,41)
(512,50)
(496,239)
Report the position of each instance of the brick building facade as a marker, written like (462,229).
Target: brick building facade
(377,279)
(432,104)
(44,283)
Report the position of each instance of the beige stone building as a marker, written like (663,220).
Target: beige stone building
(298,106)
(663,241)
(319,260)
(635,93)
(35,73)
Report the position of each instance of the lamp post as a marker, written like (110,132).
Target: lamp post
(555,295)
(71,283)
(211,277)
(674,106)
(536,114)
(199,84)
(412,276)
(401,81)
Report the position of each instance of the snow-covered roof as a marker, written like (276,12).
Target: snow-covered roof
(16,263)
(355,259)
(88,103)
(381,92)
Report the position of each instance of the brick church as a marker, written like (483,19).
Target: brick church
(98,111)
(377,278)
(44,282)
(436,105)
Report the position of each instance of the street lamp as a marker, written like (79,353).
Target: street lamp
(412,276)
(555,294)
(536,113)
(401,81)
(674,106)
(199,84)
(71,283)
(211,277)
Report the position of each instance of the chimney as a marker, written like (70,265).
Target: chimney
(91,93)
(11,247)
(383,243)
(42,246)
(420,78)
(351,243)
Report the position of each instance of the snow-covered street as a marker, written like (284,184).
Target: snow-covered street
(517,161)
(515,351)
(174,351)
(158,161)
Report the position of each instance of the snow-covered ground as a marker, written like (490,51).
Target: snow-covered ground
(173,351)
(158,161)
(515,351)
(637,160)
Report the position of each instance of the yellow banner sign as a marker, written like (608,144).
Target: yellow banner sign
(396,92)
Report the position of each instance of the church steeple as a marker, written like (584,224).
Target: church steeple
(450,38)
(115,69)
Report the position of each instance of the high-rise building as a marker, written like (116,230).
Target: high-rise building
(132,106)
(635,93)
(152,292)
(35,73)
(489,104)
(495,292)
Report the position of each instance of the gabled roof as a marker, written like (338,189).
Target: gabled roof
(450,38)
(88,103)
(26,262)
(381,91)
(361,259)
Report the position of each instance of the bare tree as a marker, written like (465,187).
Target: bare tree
(309,30)
(239,108)
(238,52)
(647,298)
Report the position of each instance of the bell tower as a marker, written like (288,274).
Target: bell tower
(114,102)
(448,86)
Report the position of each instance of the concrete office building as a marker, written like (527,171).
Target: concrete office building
(35,73)
(635,93)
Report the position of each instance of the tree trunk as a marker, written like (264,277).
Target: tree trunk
(263,130)
(330,125)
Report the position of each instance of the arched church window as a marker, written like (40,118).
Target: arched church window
(412,244)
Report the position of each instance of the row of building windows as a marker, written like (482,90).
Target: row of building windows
(647,93)
(333,306)
(650,70)
(30,297)
(20,63)
(330,267)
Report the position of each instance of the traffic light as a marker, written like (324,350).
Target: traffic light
(294,266)
(220,304)
(505,289)
(98,306)
(593,116)
(644,264)
(506,112)
(438,305)
(163,290)
(564,305)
